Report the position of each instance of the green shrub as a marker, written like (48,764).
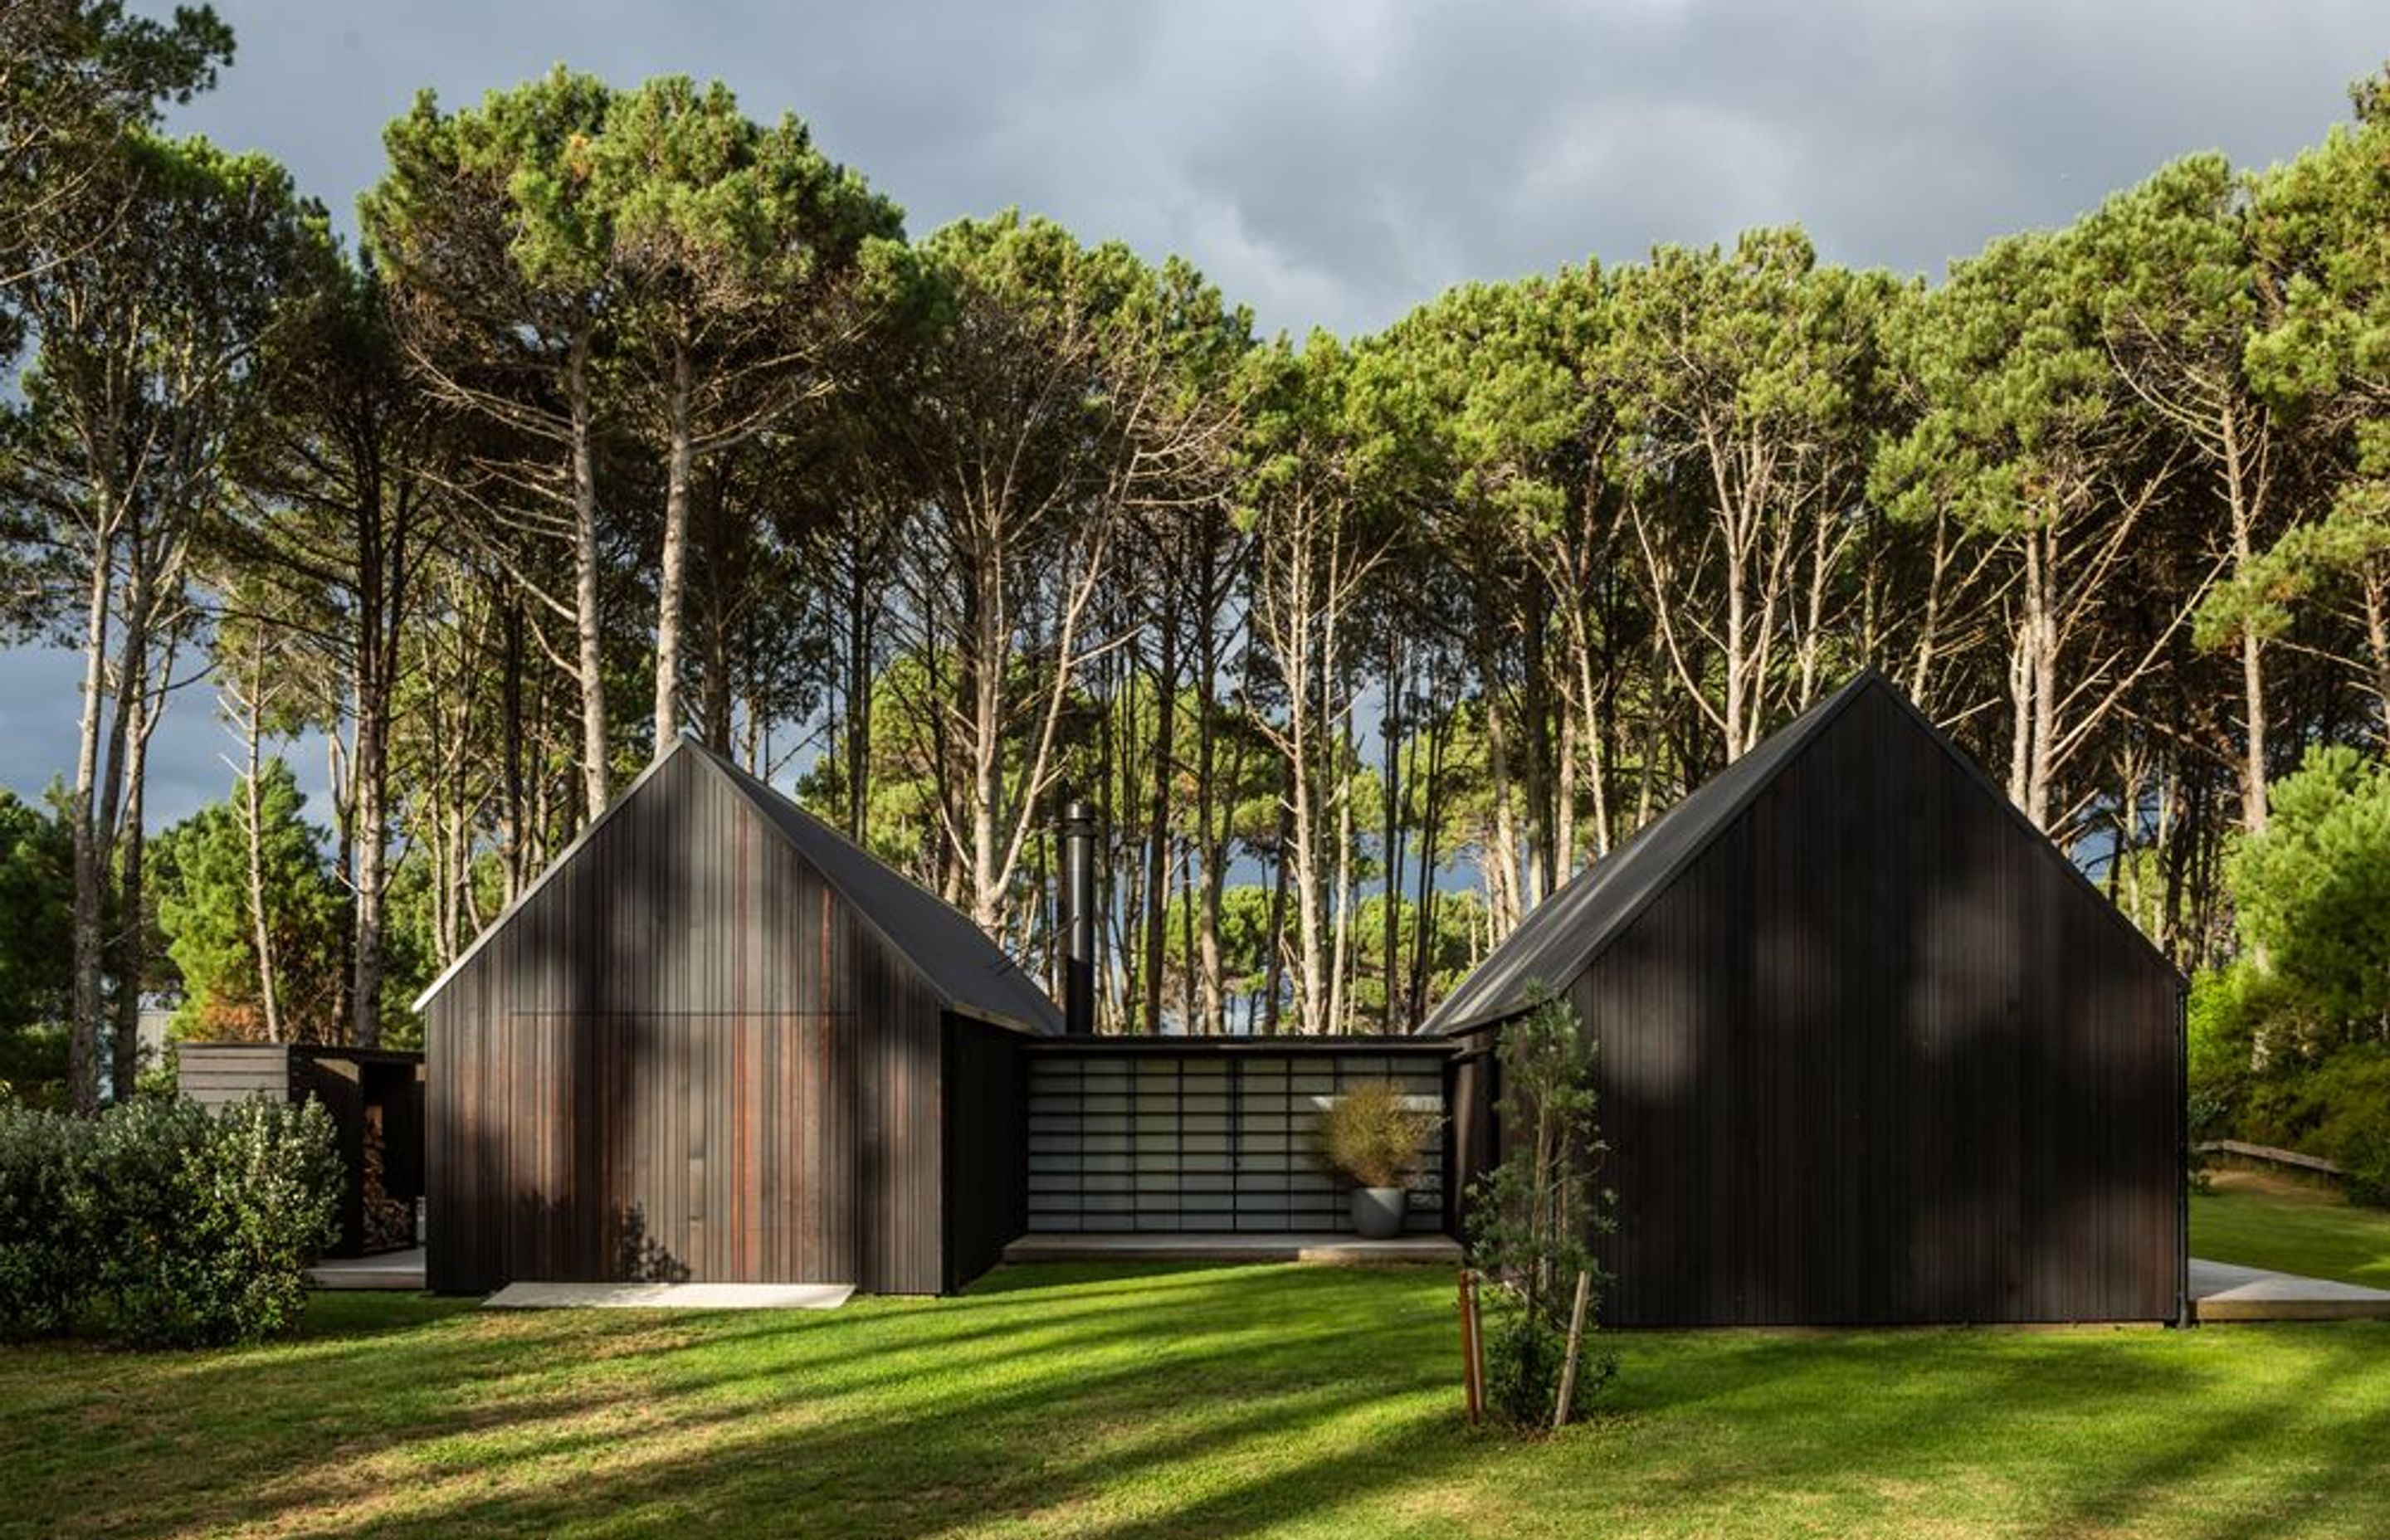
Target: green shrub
(2311,894)
(1525,1350)
(44,1211)
(2363,1155)
(1372,1136)
(158,1225)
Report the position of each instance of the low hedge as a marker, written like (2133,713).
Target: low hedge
(156,1224)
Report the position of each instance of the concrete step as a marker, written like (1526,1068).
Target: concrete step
(2222,1292)
(1158,1246)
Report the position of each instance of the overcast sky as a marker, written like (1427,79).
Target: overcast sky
(1334,164)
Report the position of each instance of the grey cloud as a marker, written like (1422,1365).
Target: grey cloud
(1336,163)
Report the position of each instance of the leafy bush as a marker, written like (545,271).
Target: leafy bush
(1525,1350)
(156,1223)
(1371,1133)
(1532,1218)
(2363,1155)
(43,1250)
(2288,1045)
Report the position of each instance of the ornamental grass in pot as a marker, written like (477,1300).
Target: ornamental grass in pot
(1371,1135)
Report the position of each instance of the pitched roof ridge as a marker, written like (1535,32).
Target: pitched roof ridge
(531,889)
(1035,1012)
(2017,815)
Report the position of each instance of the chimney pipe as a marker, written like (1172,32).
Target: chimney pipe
(1079,919)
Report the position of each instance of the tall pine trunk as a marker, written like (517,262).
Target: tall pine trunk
(253,821)
(372,822)
(588,625)
(672,577)
(132,931)
(2244,495)
(90,871)
(1165,746)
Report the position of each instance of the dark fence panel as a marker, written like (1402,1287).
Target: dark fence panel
(217,1075)
(1471,1084)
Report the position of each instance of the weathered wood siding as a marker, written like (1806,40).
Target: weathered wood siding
(1878,1056)
(1211,1134)
(218,1074)
(684,1057)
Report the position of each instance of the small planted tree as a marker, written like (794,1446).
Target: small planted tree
(1532,1219)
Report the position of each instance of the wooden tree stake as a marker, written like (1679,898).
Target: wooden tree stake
(1472,1361)
(1576,1341)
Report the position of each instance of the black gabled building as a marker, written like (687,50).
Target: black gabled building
(717,1042)
(1871,1050)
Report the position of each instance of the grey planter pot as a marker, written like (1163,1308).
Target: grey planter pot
(1378,1211)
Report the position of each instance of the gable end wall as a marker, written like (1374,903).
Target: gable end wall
(684,1056)
(1875,1057)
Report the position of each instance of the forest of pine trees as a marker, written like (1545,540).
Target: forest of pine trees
(630,415)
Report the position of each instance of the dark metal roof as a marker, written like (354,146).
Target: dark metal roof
(1575,925)
(968,971)
(960,961)
(1572,926)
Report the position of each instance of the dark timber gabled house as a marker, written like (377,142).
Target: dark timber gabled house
(1870,1048)
(717,1042)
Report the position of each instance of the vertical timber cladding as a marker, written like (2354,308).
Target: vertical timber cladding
(1876,1056)
(1174,1134)
(684,1056)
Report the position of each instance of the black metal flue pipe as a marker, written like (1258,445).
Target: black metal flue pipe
(1079,919)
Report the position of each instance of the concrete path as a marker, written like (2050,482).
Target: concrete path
(670,1296)
(1326,1247)
(2221,1291)
(389,1270)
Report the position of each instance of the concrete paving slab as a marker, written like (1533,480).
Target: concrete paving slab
(2223,1292)
(1324,1247)
(402,1270)
(670,1296)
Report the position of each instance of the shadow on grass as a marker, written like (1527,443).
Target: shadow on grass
(1133,1404)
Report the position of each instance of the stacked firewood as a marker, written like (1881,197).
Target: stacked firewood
(388,1221)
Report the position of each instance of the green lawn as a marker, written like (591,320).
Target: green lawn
(2262,1220)
(1134,1404)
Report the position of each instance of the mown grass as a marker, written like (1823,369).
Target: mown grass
(1134,1403)
(2265,1219)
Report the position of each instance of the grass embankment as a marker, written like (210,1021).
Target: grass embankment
(1147,1402)
(2263,1218)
